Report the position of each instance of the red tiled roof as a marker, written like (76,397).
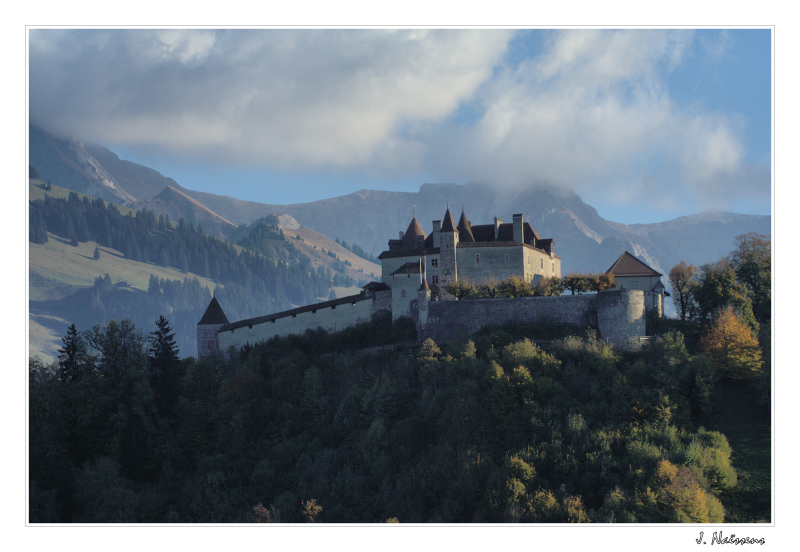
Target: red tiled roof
(628,265)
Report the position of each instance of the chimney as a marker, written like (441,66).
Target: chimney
(497,223)
(437,226)
(518,228)
(401,234)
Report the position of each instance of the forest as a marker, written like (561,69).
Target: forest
(362,426)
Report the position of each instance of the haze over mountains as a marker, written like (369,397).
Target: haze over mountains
(583,239)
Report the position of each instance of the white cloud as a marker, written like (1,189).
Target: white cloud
(591,109)
(593,112)
(271,97)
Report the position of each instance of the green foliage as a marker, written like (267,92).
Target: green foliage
(752,262)
(549,287)
(353,427)
(716,287)
(515,287)
(576,282)
(460,289)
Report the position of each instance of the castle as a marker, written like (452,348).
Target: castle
(414,273)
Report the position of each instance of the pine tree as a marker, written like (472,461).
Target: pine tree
(72,356)
(96,253)
(165,367)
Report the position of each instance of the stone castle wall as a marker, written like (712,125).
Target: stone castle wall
(618,314)
(208,340)
(329,318)
(448,320)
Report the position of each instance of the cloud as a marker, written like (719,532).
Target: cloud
(285,98)
(590,109)
(593,112)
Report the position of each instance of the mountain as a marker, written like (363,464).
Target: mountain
(66,162)
(584,240)
(178,205)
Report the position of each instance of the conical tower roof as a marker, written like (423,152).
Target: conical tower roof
(464,229)
(213,314)
(448,224)
(412,235)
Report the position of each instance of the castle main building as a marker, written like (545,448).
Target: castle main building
(415,270)
(466,252)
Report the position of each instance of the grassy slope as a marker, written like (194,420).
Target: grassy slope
(56,270)
(312,244)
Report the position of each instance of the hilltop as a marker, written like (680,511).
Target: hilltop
(177,205)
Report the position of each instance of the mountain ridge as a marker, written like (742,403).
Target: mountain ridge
(584,240)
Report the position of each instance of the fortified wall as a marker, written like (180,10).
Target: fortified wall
(334,315)
(619,315)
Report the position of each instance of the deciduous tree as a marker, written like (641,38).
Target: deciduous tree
(732,346)
(752,262)
(576,282)
(681,277)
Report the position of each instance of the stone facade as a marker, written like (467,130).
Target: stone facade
(618,315)
(448,320)
(466,252)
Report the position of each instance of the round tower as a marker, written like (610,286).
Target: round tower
(208,330)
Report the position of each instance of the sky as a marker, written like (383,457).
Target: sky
(644,124)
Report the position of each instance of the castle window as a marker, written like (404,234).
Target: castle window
(477,258)
(434,262)
(633,285)
(402,293)
(554,267)
(542,260)
(435,279)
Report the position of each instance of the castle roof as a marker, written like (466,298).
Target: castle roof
(411,239)
(350,299)
(424,286)
(485,232)
(630,266)
(448,225)
(464,229)
(376,286)
(213,314)
(408,268)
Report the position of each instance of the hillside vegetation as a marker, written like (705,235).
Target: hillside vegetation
(88,260)
(327,428)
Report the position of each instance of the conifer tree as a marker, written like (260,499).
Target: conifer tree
(72,356)
(165,372)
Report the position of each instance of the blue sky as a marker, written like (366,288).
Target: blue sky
(646,125)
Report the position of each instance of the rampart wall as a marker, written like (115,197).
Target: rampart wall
(617,314)
(331,318)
